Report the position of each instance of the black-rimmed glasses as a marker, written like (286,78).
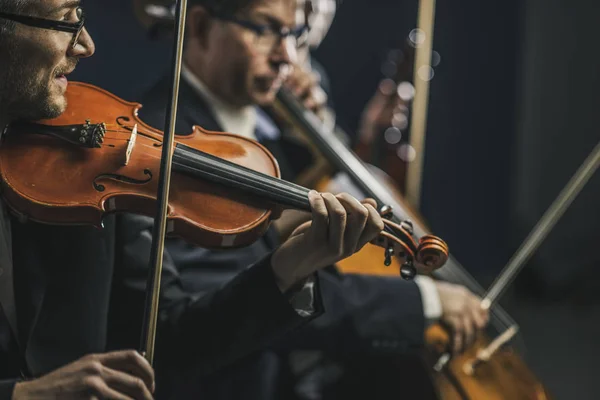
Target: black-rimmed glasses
(71,27)
(267,36)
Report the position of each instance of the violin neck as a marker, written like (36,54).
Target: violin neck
(199,164)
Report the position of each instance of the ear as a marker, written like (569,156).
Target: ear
(198,25)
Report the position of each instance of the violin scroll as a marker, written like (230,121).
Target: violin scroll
(426,256)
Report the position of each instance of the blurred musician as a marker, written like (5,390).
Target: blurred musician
(238,53)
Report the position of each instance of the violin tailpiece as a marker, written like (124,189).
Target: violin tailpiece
(86,135)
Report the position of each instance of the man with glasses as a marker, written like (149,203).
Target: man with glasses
(238,54)
(40,44)
(55,281)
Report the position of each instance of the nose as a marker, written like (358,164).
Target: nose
(85,46)
(285,51)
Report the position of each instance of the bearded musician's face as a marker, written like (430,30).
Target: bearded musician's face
(35,62)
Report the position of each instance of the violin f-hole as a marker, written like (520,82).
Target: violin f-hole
(121,178)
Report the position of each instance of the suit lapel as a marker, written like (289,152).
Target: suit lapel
(195,110)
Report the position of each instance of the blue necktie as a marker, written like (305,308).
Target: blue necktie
(265,127)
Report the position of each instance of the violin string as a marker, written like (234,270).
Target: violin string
(293,193)
(263,176)
(272,187)
(278,197)
(286,189)
(283,185)
(260,178)
(244,170)
(283,188)
(275,183)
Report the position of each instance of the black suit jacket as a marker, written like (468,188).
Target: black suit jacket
(63,278)
(365,314)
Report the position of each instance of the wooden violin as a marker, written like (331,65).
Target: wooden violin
(98,157)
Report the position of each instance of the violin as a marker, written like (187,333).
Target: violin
(98,157)
(490,368)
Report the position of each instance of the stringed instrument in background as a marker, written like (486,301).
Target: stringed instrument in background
(488,369)
(383,139)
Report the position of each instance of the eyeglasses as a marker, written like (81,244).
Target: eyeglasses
(70,27)
(267,37)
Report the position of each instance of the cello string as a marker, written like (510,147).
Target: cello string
(346,160)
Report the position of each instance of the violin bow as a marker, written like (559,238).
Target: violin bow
(543,227)
(533,241)
(422,37)
(160,221)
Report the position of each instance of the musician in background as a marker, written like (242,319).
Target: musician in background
(238,53)
(55,281)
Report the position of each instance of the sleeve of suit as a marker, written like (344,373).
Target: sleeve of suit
(367,314)
(210,330)
(6,389)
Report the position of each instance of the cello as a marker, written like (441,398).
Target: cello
(494,370)
(384,141)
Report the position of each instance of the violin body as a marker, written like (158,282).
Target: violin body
(98,157)
(51,182)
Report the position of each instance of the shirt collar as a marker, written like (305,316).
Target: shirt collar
(239,120)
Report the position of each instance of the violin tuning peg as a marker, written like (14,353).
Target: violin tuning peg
(386,211)
(408,226)
(389,252)
(408,271)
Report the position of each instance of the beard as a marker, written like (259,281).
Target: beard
(22,94)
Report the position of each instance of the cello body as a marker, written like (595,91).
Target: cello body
(504,376)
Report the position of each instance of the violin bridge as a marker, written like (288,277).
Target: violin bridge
(131,144)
